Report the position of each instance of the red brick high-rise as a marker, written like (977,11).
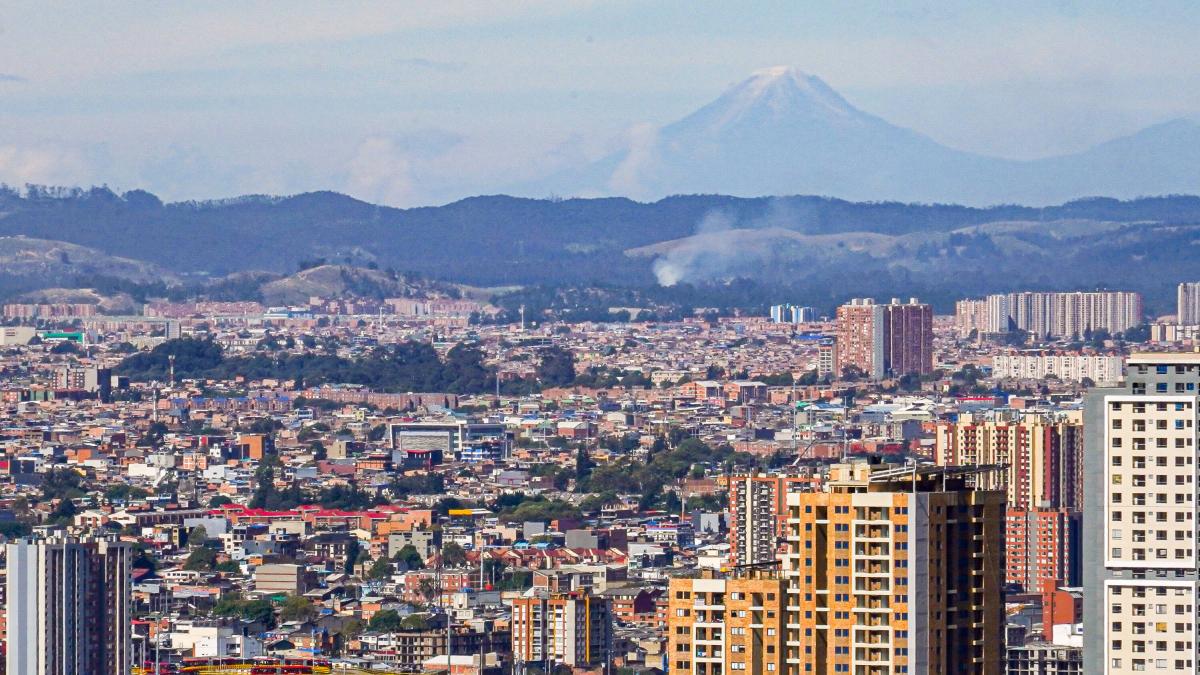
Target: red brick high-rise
(908,336)
(1042,547)
(879,340)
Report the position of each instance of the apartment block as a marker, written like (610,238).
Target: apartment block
(827,358)
(1101,369)
(718,625)
(1140,562)
(1060,314)
(895,569)
(860,338)
(1187,311)
(758,515)
(1042,546)
(1044,454)
(68,607)
(896,338)
(971,317)
(573,629)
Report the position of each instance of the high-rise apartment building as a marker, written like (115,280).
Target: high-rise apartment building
(1058,314)
(896,338)
(1141,586)
(909,338)
(826,358)
(572,629)
(1043,453)
(792,314)
(971,316)
(894,569)
(860,338)
(758,515)
(1042,547)
(68,608)
(1187,310)
(1101,369)
(730,625)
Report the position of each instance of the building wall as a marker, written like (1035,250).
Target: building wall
(69,607)
(1140,562)
(1043,454)
(726,626)
(871,574)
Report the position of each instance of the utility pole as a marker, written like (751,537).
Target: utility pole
(795,421)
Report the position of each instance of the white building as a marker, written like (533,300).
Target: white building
(68,607)
(1141,585)
(1098,368)
(1052,314)
(1187,310)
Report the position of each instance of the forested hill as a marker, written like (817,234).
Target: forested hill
(831,245)
(492,239)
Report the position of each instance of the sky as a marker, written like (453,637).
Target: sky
(417,103)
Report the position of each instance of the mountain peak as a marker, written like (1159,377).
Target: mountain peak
(776,93)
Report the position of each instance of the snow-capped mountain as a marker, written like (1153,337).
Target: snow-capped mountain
(782,131)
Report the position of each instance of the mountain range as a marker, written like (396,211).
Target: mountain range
(784,132)
(815,250)
(884,226)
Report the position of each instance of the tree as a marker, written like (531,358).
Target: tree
(197,536)
(201,560)
(65,347)
(409,557)
(297,608)
(583,465)
(260,611)
(428,589)
(380,570)
(557,367)
(385,621)
(453,555)
(414,622)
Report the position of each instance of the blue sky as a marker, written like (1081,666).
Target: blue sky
(419,103)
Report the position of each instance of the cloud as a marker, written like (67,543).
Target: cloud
(630,175)
(381,172)
(9,77)
(45,164)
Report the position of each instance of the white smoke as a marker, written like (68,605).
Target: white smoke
(719,247)
(629,177)
(702,251)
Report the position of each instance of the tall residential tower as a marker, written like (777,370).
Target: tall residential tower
(1141,586)
(68,607)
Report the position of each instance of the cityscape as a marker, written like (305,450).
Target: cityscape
(577,339)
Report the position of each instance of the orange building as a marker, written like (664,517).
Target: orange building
(1042,546)
(726,625)
(573,629)
(895,569)
(758,515)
